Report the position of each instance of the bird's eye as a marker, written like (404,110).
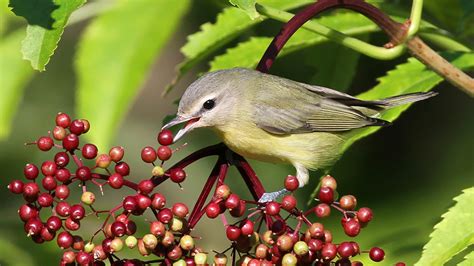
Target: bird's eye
(209,104)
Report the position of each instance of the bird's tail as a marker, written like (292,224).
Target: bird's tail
(407,98)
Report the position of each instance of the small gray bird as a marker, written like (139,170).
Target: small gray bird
(273,119)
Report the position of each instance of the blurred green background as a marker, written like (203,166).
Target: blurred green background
(408,173)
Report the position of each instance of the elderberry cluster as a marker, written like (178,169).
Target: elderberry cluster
(260,233)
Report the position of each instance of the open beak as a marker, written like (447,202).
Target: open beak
(190,121)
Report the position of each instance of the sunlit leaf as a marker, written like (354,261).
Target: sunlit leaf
(40,43)
(114,58)
(247,5)
(14,74)
(230,23)
(453,234)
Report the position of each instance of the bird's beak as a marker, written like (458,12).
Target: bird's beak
(179,120)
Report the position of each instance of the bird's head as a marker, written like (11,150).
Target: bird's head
(210,101)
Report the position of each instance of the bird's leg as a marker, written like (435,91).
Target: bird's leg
(302,175)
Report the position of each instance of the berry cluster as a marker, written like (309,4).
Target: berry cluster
(258,236)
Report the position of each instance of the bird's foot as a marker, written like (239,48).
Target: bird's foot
(271,196)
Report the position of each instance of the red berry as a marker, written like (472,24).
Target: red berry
(232,201)
(130,203)
(143,201)
(122,168)
(247,227)
(131,227)
(31,191)
(49,183)
(53,223)
(27,212)
(87,125)
(180,210)
(103,161)
(345,249)
(76,127)
(148,154)
(48,168)
(233,232)
(71,142)
(329,181)
(145,186)
(33,226)
(59,133)
(322,210)
(63,209)
(364,215)
(272,208)
(348,202)
(45,143)
(83,173)
(116,153)
(315,244)
(288,202)
(157,228)
(165,215)
(177,175)
(45,200)
(326,195)
(63,175)
(291,183)
(30,171)
(164,153)
(84,258)
(89,151)
(165,137)
(77,212)
(212,210)
(62,192)
(376,254)
(63,120)
(329,251)
(222,192)
(158,201)
(46,234)
(238,211)
(316,230)
(16,186)
(351,227)
(118,229)
(116,181)
(400,264)
(61,159)
(71,224)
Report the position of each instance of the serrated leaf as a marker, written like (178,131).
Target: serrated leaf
(247,54)
(453,234)
(37,12)
(409,77)
(40,43)
(468,260)
(230,23)
(14,74)
(114,58)
(246,5)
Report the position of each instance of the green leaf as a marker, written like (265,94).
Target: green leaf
(230,23)
(37,12)
(453,234)
(15,73)
(468,260)
(13,254)
(40,43)
(246,5)
(114,58)
(410,77)
(248,54)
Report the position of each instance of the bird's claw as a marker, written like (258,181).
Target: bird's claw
(271,196)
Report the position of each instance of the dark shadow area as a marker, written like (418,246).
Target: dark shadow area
(36,12)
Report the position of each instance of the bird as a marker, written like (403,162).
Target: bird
(274,119)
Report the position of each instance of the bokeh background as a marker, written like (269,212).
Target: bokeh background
(408,173)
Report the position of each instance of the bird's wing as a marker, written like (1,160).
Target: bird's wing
(289,107)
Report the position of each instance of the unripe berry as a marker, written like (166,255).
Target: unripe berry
(116,181)
(289,260)
(329,181)
(148,154)
(291,183)
(288,202)
(376,254)
(145,186)
(164,153)
(31,171)
(284,243)
(165,137)
(177,224)
(71,142)
(45,143)
(222,192)
(99,253)
(348,202)
(89,151)
(116,153)
(220,259)
(186,242)
(200,258)
(59,133)
(364,215)
(326,195)
(168,239)
(103,161)
(272,208)
(116,244)
(88,247)
(157,171)
(177,175)
(16,186)
(88,198)
(316,230)
(322,210)
(63,120)
(301,248)
(142,249)
(150,241)
(131,241)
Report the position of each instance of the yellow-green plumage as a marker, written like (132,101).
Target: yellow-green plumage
(277,120)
